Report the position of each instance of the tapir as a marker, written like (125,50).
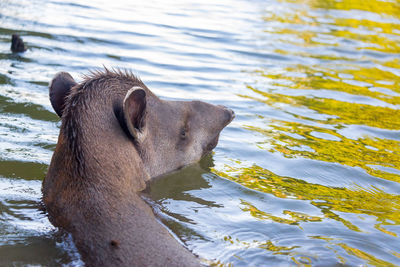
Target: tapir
(115,136)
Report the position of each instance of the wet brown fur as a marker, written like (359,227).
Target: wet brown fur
(81,95)
(92,188)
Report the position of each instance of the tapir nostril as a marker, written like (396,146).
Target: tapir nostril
(230,114)
(233,113)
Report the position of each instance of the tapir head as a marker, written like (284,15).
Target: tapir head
(167,135)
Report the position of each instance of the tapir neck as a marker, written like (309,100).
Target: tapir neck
(101,207)
(100,148)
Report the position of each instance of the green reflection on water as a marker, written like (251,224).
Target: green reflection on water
(343,70)
(24,170)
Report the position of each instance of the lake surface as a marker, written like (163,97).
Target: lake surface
(307,174)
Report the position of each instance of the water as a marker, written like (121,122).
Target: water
(307,174)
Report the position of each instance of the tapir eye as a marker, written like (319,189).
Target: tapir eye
(183,133)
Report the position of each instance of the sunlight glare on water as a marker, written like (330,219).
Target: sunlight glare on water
(307,174)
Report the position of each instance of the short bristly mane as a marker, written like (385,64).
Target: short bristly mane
(76,104)
(124,74)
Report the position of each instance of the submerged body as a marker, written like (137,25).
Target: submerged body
(115,136)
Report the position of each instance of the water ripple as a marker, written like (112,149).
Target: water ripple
(308,173)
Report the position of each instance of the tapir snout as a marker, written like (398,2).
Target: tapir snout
(229,114)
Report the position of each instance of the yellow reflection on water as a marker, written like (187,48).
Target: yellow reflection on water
(375,35)
(295,217)
(374,202)
(343,112)
(268,245)
(391,8)
(370,259)
(296,139)
(300,260)
(377,83)
(319,77)
(342,73)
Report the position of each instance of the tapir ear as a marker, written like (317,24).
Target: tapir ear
(59,89)
(135,110)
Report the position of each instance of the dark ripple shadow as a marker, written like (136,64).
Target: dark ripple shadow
(33,111)
(74,5)
(23,170)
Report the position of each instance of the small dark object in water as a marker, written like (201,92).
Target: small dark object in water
(17,44)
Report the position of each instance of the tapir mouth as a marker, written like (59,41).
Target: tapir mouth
(211,145)
(229,116)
